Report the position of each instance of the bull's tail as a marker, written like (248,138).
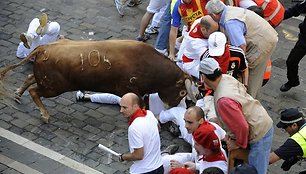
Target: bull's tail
(5,95)
(4,70)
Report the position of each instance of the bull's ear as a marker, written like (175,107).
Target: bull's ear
(179,83)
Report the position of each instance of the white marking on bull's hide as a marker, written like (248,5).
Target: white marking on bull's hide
(107,61)
(46,57)
(82,61)
(98,60)
(132,79)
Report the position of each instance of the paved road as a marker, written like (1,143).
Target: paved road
(68,144)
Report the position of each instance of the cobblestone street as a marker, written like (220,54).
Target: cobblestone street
(68,144)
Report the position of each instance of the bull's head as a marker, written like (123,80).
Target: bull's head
(173,95)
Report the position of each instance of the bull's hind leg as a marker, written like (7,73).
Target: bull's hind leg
(36,93)
(30,80)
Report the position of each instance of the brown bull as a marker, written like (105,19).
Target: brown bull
(116,66)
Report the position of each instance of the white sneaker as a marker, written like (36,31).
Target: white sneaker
(164,51)
(119,7)
(80,96)
(151,30)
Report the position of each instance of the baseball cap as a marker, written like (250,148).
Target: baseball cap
(205,135)
(288,116)
(243,169)
(216,43)
(208,66)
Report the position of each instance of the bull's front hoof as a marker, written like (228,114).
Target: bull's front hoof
(17,96)
(45,120)
(17,99)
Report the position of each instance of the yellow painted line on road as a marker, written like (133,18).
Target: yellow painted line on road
(47,152)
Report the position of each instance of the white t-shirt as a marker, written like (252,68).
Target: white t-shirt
(143,132)
(176,115)
(156,105)
(247,3)
(220,164)
(194,46)
(219,131)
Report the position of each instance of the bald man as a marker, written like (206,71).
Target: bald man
(143,137)
(195,44)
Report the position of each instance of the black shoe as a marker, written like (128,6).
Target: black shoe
(287,86)
(80,96)
(133,3)
(171,149)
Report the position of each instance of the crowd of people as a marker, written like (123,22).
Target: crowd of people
(226,49)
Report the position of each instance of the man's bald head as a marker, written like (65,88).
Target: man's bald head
(194,116)
(197,111)
(132,97)
(208,25)
(129,104)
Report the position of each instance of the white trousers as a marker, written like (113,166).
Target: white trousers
(191,68)
(156,105)
(157,16)
(105,98)
(51,35)
(155,6)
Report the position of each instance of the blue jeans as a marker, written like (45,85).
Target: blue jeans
(162,39)
(260,151)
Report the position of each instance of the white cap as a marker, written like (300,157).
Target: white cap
(216,44)
(208,66)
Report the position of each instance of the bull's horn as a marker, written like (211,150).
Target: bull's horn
(189,90)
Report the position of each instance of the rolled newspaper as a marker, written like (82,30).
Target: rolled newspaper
(106,149)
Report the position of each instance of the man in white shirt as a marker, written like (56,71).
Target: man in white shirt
(143,137)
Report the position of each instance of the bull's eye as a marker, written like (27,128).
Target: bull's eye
(183,93)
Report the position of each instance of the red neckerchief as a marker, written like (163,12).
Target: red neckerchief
(138,113)
(224,60)
(214,157)
(186,59)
